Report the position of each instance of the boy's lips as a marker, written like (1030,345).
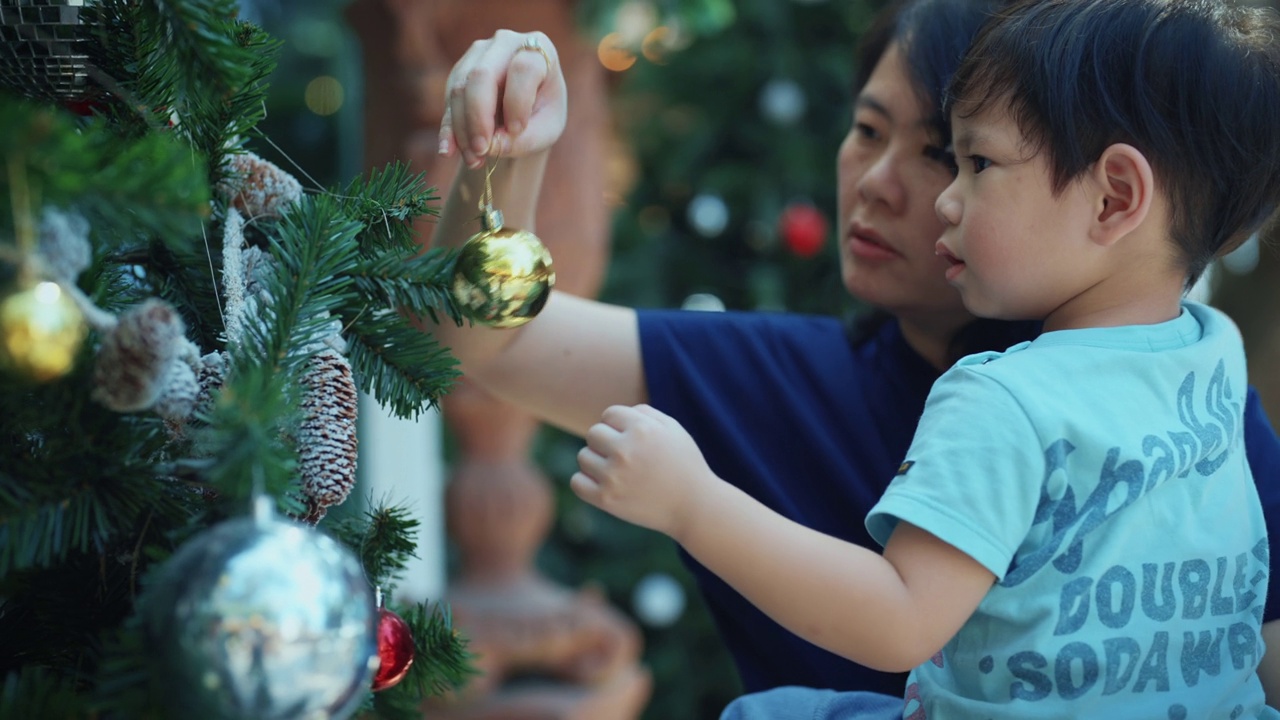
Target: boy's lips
(955,265)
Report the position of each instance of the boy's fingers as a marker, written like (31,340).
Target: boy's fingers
(585,488)
(601,437)
(617,416)
(591,462)
(650,411)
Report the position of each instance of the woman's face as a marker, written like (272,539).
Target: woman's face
(891,170)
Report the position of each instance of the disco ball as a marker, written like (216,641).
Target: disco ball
(42,49)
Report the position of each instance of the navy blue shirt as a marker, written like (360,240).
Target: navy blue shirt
(788,409)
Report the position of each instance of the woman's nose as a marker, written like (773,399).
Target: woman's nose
(882,183)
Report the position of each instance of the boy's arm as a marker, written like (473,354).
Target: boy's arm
(890,612)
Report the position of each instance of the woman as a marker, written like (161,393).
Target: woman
(807,417)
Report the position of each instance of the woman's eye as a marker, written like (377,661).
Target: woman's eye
(866,131)
(942,156)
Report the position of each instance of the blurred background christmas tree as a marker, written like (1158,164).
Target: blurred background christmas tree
(183,332)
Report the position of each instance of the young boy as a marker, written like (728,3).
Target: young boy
(1074,531)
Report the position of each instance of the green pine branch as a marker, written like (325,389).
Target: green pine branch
(35,692)
(402,367)
(315,250)
(384,538)
(151,185)
(77,481)
(385,203)
(245,442)
(441,663)
(418,286)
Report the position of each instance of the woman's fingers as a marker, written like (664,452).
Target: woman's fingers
(473,105)
(504,96)
(532,66)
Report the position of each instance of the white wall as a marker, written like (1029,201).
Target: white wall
(401,463)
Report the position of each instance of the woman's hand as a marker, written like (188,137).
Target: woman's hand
(643,467)
(506,96)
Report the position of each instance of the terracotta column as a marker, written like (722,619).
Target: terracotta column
(546,652)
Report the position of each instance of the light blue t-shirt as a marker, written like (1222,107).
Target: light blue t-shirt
(1100,475)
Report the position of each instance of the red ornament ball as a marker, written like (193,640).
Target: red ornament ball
(395,650)
(803,229)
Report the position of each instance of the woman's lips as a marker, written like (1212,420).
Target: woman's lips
(866,244)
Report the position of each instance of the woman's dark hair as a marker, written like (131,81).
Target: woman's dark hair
(1194,85)
(933,36)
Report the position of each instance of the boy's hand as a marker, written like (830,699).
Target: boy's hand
(506,96)
(643,467)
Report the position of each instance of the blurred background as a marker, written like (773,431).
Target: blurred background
(722,123)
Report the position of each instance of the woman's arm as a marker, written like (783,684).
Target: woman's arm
(578,356)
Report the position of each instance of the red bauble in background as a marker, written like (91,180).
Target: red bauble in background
(395,650)
(803,229)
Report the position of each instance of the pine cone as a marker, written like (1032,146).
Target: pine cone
(327,436)
(132,366)
(257,187)
(210,376)
(64,244)
(178,397)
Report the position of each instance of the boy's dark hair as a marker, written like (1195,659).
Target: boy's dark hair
(1192,84)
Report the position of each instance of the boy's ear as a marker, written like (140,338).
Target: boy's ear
(1126,187)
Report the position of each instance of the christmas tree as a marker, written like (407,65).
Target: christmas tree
(183,331)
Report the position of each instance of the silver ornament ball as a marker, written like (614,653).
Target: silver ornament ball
(263,618)
(42,49)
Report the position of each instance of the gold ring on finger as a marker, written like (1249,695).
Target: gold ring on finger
(531,43)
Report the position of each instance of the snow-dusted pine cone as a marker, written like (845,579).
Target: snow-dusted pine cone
(258,187)
(180,389)
(64,244)
(210,376)
(327,436)
(133,364)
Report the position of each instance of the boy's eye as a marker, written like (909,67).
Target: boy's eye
(979,163)
(942,156)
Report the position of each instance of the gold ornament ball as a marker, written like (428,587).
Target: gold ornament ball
(503,277)
(41,330)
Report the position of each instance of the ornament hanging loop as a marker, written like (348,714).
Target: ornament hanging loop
(490,217)
(503,276)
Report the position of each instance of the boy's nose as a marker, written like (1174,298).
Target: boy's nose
(948,206)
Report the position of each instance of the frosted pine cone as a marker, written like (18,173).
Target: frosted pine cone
(132,366)
(210,376)
(257,187)
(327,437)
(178,396)
(64,244)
